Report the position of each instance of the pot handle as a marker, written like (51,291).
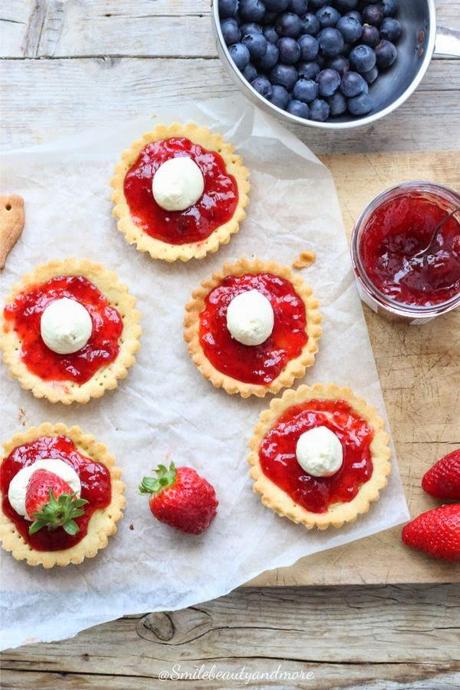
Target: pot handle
(447,42)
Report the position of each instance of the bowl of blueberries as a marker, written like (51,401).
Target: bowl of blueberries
(333,64)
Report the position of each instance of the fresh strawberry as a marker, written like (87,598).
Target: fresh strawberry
(437,532)
(443,479)
(51,503)
(181,498)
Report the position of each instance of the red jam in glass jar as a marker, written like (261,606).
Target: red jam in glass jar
(389,250)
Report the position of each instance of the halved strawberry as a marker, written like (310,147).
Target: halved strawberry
(181,498)
(437,532)
(51,503)
(443,479)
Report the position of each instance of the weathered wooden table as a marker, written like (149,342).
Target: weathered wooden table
(72,64)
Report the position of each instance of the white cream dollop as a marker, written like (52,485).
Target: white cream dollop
(18,485)
(177,184)
(250,318)
(319,452)
(65,326)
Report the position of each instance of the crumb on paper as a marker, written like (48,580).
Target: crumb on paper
(305,258)
(11,224)
(131,526)
(22,417)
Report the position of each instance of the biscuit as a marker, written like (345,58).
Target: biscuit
(11,224)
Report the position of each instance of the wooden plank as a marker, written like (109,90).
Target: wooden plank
(121,27)
(83,93)
(346,637)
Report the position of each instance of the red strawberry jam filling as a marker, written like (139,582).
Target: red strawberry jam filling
(24,316)
(258,364)
(95,488)
(215,207)
(278,460)
(395,233)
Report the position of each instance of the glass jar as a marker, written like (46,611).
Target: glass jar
(440,201)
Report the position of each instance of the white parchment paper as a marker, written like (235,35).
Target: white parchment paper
(165,408)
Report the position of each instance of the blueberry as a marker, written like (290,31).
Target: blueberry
(353,84)
(284,75)
(270,34)
(310,25)
(360,105)
(251,10)
(319,110)
(373,14)
(327,16)
(370,36)
(337,104)
(230,31)
(250,28)
(256,44)
(331,42)
(346,5)
(299,7)
(240,55)
(289,24)
(279,97)
(391,29)
(262,86)
(350,29)
(340,64)
(362,58)
(356,15)
(305,90)
(270,58)
(308,70)
(298,108)
(328,82)
(289,50)
(386,54)
(371,76)
(309,47)
(276,5)
(227,8)
(250,72)
(390,8)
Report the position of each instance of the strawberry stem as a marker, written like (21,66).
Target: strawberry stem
(59,512)
(165,477)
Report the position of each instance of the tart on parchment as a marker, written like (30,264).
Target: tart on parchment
(253,327)
(319,456)
(179,192)
(60,454)
(70,331)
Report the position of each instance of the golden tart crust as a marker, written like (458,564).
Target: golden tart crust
(105,378)
(194,250)
(339,513)
(294,369)
(102,523)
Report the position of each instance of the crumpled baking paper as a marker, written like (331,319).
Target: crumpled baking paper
(165,409)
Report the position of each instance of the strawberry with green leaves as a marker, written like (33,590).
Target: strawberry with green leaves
(181,498)
(51,503)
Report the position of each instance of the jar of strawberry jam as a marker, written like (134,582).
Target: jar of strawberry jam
(406,252)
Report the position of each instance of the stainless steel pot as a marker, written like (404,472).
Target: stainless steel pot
(420,41)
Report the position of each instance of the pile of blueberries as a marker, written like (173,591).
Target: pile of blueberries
(314,58)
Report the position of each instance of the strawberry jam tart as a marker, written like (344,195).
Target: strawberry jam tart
(253,328)
(70,331)
(406,252)
(319,456)
(61,496)
(179,192)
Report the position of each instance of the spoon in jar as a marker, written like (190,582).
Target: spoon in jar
(434,236)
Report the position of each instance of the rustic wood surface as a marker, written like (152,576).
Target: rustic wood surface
(73,64)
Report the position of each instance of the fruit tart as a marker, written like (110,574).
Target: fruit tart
(70,331)
(179,192)
(253,327)
(61,496)
(319,456)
